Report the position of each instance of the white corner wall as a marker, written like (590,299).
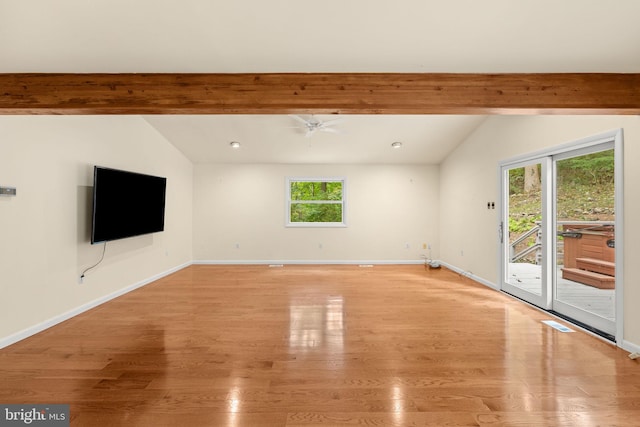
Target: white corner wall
(469,179)
(236,213)
(239,215)
(45,239)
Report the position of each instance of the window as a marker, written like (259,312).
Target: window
(316,202)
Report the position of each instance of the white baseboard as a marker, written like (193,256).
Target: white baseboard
(625,345)
(470,276)
(308,261)
(32,330)
(630,347)
(25,333)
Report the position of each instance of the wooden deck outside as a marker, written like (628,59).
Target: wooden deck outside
(589,254)
(601,302)
(322,346)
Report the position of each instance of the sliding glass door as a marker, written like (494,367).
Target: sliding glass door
(525,272)
(585,255)
(559,222)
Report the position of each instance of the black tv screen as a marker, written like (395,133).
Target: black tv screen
(126,204)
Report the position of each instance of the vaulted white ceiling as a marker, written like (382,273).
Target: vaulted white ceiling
(229,36)
(280,139)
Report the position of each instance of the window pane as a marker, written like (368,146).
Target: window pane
(316,190)
(316,212)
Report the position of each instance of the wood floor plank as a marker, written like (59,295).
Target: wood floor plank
(386,419)
(320,345)
(202,418)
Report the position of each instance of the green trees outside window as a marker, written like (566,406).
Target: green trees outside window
(585,191)
(314,201)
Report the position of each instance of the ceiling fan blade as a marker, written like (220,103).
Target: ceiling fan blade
(332,130)
(313,120)
(298,118)
(332,122)
(313,124)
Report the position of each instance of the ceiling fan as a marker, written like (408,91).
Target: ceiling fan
(313,124)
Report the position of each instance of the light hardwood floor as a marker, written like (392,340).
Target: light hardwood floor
(321,345)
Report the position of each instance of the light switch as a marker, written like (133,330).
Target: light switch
(7,191)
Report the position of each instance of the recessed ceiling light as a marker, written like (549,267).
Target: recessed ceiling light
(234,144)
(396,144)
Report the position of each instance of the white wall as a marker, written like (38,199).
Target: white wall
(44,243)
(469,179)
(239,214)
(211,209)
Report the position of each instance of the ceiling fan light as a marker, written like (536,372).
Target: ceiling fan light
(234,144)
(396,144)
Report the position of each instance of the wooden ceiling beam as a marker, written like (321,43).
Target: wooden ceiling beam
(320,93)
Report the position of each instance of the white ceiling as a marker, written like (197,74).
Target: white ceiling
(280,139)
(329,36)
(229,36)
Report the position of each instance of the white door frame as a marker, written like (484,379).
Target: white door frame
(544,299)
(613,136)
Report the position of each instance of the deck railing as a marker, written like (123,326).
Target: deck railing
(536,247)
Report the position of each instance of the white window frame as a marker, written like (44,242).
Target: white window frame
(289,202)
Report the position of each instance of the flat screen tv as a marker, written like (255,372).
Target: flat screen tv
(126,204)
